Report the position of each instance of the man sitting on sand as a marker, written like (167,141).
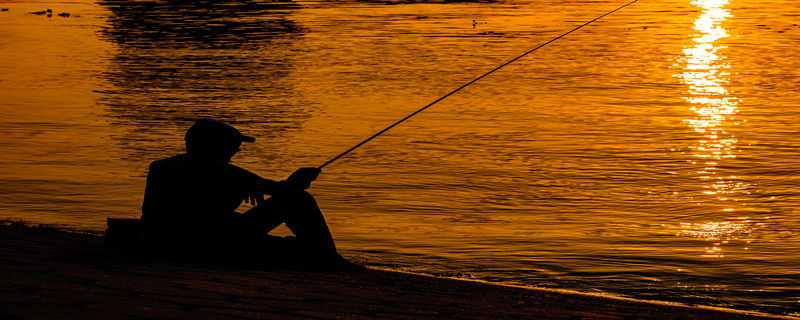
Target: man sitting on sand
(190,202)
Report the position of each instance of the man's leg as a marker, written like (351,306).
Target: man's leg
(301,214)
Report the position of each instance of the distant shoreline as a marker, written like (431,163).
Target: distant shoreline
(51,273)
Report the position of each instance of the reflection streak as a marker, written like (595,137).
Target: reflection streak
(705,75)
(713,105)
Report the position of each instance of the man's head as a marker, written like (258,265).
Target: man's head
(213,140)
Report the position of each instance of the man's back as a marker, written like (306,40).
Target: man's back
(188,200)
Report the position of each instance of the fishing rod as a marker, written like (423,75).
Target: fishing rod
(454,91)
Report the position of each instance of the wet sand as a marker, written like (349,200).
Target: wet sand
(47,273)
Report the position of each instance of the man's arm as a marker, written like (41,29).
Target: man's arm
(268,186)
(299,180)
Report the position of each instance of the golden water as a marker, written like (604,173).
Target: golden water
(652,154)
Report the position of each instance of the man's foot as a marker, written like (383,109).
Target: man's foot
(342,264)
(336,263)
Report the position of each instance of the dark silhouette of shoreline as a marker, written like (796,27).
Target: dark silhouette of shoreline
(56,274)
(177,61)
(198,24)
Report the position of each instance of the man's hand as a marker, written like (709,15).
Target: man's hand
(255,199)
(302,178)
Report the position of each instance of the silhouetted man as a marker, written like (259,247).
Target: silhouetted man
(190,202)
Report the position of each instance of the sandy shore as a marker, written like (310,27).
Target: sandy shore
(51,274)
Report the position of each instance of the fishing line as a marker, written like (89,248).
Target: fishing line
(454,91)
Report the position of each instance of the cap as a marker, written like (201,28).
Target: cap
(210,130)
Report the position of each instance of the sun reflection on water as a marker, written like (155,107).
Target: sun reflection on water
(705,72)
(718,233)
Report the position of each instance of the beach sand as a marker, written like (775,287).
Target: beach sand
(46,273)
